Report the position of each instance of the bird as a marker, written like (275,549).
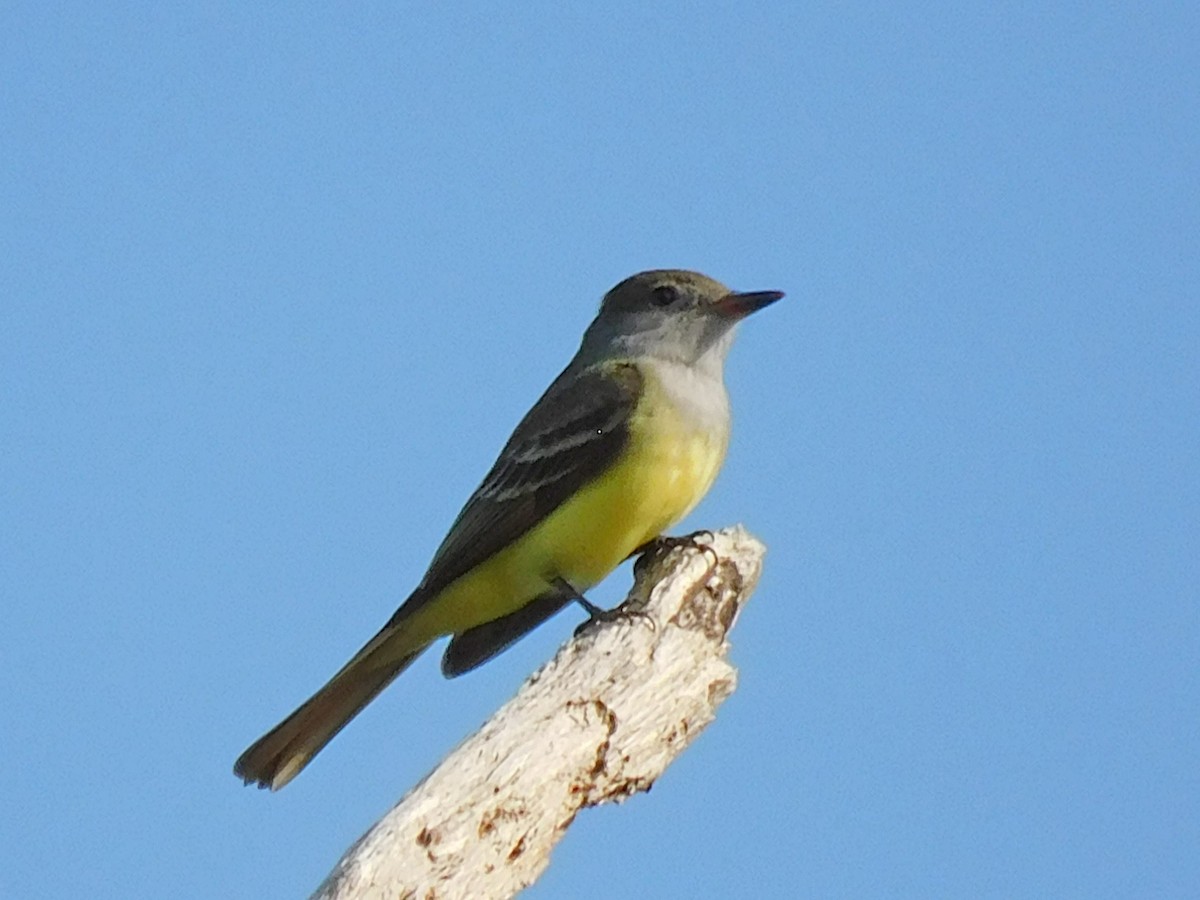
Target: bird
(620,447)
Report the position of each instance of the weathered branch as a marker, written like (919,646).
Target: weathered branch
(599,722)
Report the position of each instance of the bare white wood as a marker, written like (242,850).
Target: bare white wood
(598,723)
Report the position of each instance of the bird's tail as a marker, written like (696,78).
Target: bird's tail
(279,755)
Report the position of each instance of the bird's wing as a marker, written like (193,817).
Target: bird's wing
(575,432)
(475,646)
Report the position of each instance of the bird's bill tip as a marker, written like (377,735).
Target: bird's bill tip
(739,304)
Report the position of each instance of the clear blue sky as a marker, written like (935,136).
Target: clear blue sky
(275,284)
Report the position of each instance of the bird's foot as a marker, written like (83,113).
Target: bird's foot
(658,547)
(596,614)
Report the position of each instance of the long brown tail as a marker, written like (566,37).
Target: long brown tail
(278,756)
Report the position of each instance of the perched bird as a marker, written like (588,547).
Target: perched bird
(620,447)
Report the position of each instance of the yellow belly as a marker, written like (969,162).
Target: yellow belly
(660,480)
(666,469)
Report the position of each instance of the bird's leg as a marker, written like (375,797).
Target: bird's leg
(595,613)
(566,589)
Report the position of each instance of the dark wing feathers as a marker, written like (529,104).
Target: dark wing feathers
(477,645)
(575,431)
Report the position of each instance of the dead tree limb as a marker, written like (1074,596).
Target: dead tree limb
(598,723)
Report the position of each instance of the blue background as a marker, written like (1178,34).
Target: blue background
(276,282)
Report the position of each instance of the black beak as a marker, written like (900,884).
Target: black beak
(738,305)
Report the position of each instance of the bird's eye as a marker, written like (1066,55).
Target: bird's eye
(664,295)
